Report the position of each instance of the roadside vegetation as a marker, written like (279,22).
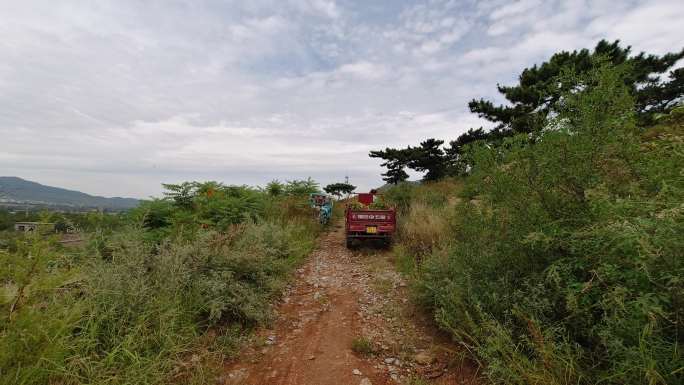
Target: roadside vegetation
(549,247)
(161,297)
(555,256)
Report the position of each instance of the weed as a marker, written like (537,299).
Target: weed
(362,346)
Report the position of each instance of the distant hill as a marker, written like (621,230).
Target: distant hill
(15,191)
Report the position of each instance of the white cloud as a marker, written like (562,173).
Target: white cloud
(258,27)
(329,8)
(515,8)
(364,70)
(116,97)
(326,8)
(656,27)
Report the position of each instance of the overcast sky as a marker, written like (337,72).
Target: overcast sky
(116,97)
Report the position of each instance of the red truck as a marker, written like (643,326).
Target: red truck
(362,222)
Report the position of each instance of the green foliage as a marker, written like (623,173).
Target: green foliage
(433,194)
(38,309)
(6,220)
(160,299)
(537,99)
(93,221)
(275,188)
(362,346)
(297,187)
(458,159)
(422,226)
(429,157)
(395,161)
(401,195)
(192,205)
(182,194)
(378,205)
(563,263)
(539,88)
(301,187)
(213,282)
(338,189)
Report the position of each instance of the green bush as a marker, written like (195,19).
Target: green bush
(160,300)
(568,267)
(401,195)
(152,304)
(39,307)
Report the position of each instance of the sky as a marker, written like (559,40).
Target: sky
(116,97)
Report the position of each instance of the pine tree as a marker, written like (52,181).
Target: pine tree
(538,90)
(457,164)
(429,158)
(337,189)
(395,161)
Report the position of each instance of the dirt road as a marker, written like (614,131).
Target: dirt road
(340,300)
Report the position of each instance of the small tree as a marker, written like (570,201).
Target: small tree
(337,189)
(301,187)
(182,194)
(275,188)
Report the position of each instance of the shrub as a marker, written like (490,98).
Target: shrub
(568,266)
(39,307)
(156,301)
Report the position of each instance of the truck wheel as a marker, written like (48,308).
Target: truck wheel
(387,243)
(350,243)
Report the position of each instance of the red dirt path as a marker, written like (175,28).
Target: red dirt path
(332,302)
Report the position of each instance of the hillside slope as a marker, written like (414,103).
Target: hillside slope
(17,190)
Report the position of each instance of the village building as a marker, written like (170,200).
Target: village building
(29,227)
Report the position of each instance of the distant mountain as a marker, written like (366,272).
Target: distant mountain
(15,191)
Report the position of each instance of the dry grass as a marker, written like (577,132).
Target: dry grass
(423,229)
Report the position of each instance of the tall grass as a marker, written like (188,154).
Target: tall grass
(162,300)
(423,227)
